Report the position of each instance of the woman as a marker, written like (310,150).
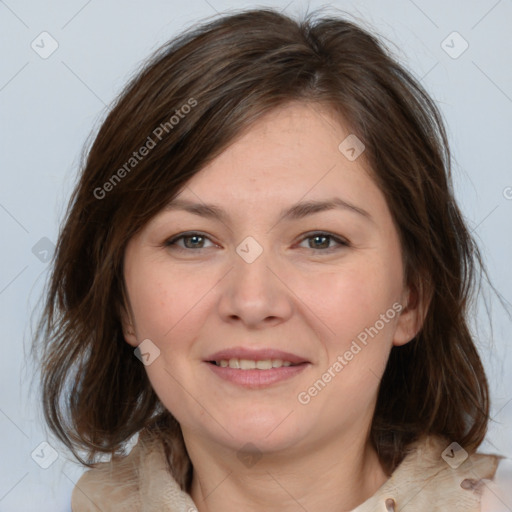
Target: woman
(264,275)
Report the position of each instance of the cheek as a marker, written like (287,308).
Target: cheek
(162,299)
(151,304)
(352,299)
(359,306)
(168,308)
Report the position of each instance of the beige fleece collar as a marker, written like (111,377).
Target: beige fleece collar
(423,482)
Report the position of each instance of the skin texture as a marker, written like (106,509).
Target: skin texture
(308,296)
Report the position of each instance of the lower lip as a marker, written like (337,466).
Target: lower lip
(255,379)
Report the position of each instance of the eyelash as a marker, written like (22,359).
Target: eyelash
(340,241)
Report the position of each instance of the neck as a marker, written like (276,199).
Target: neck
(337,476)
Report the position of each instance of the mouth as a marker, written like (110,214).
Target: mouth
(250,364)
(242,358)
(256,369)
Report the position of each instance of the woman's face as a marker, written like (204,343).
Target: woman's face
(260,280)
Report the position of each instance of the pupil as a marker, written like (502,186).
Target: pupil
(194,238)
(321,237)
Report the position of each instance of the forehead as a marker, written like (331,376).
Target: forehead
(291,153)
(287,135)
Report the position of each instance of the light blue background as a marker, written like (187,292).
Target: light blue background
(49,107)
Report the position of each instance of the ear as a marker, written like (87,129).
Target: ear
(415,304)
(128,328)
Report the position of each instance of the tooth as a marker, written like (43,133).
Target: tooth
(246,364)
(249,364)
(264,365)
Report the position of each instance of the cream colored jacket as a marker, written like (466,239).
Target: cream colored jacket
(423,482)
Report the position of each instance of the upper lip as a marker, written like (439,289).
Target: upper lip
(255,355)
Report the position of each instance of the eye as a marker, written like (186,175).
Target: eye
(191,240)
(321,241)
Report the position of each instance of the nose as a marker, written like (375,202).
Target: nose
(255,293)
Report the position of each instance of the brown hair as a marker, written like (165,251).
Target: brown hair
(229,72)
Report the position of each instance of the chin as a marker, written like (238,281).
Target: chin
(267,432)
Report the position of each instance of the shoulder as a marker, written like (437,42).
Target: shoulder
(497,493)
(109,486)
(439,475)
(141,480)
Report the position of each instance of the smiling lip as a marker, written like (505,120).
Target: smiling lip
(256,379)
(255,355)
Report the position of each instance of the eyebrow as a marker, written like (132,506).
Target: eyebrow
(296,211)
